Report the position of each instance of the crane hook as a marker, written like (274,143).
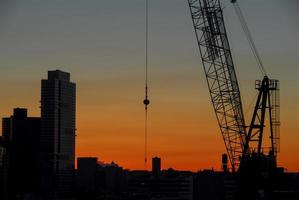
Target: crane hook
(146,101)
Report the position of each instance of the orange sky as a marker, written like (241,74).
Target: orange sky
(186,138)
(182,131)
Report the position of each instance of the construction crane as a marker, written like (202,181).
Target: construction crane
(245,145)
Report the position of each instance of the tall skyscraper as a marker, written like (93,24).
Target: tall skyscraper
(58,117)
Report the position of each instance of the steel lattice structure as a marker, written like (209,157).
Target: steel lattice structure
(267,100)
(208,21)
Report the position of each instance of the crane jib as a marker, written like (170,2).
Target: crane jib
(208,21)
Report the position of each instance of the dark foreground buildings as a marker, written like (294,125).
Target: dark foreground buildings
(37,154)
(109,181)
(99,180)
(96,180)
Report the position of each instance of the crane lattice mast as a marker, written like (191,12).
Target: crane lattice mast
(208,21)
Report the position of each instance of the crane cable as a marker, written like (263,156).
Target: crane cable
(249,37)
(146,100)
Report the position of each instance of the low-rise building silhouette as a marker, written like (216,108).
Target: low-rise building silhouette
(163,185)
(156,166)
(98,179)
(3,169)
(87,174)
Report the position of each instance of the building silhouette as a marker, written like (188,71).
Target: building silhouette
(87,174)
(3,170)
(98,179)
(20,155)
(163,185)
(57,140)
(156,166)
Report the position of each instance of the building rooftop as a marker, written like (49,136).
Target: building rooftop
(58,75)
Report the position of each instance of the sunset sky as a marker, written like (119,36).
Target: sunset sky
(102,44)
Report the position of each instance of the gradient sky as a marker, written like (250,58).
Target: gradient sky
(101,43)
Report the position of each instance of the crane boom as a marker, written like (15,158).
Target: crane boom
(208,21)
